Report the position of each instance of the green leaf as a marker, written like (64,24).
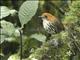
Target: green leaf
(39,37)
(13,12)
(2,32)
(14,57)
(10,39)
(2,38)
(7,27)
(16,33)
(5,11)
(27,11)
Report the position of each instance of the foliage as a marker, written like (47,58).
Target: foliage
(14,57)
(8,31)
(27,11)
(39,37)
(5,11)
(15,44)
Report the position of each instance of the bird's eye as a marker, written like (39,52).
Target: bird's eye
(45,16)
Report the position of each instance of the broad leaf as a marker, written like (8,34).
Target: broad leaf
(27,11)
(5,11)
(7,27)
(14,57)
(2,38)
(39,37)
(10,39)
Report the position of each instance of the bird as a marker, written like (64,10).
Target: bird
(51,23)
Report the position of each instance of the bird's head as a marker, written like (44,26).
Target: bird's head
(47,16)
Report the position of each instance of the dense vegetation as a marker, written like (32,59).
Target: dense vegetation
(22,35)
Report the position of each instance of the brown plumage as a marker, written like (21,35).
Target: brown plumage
(51,23)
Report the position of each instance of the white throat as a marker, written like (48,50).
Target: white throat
(45,23)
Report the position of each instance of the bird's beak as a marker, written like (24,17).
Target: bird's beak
(40,16)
